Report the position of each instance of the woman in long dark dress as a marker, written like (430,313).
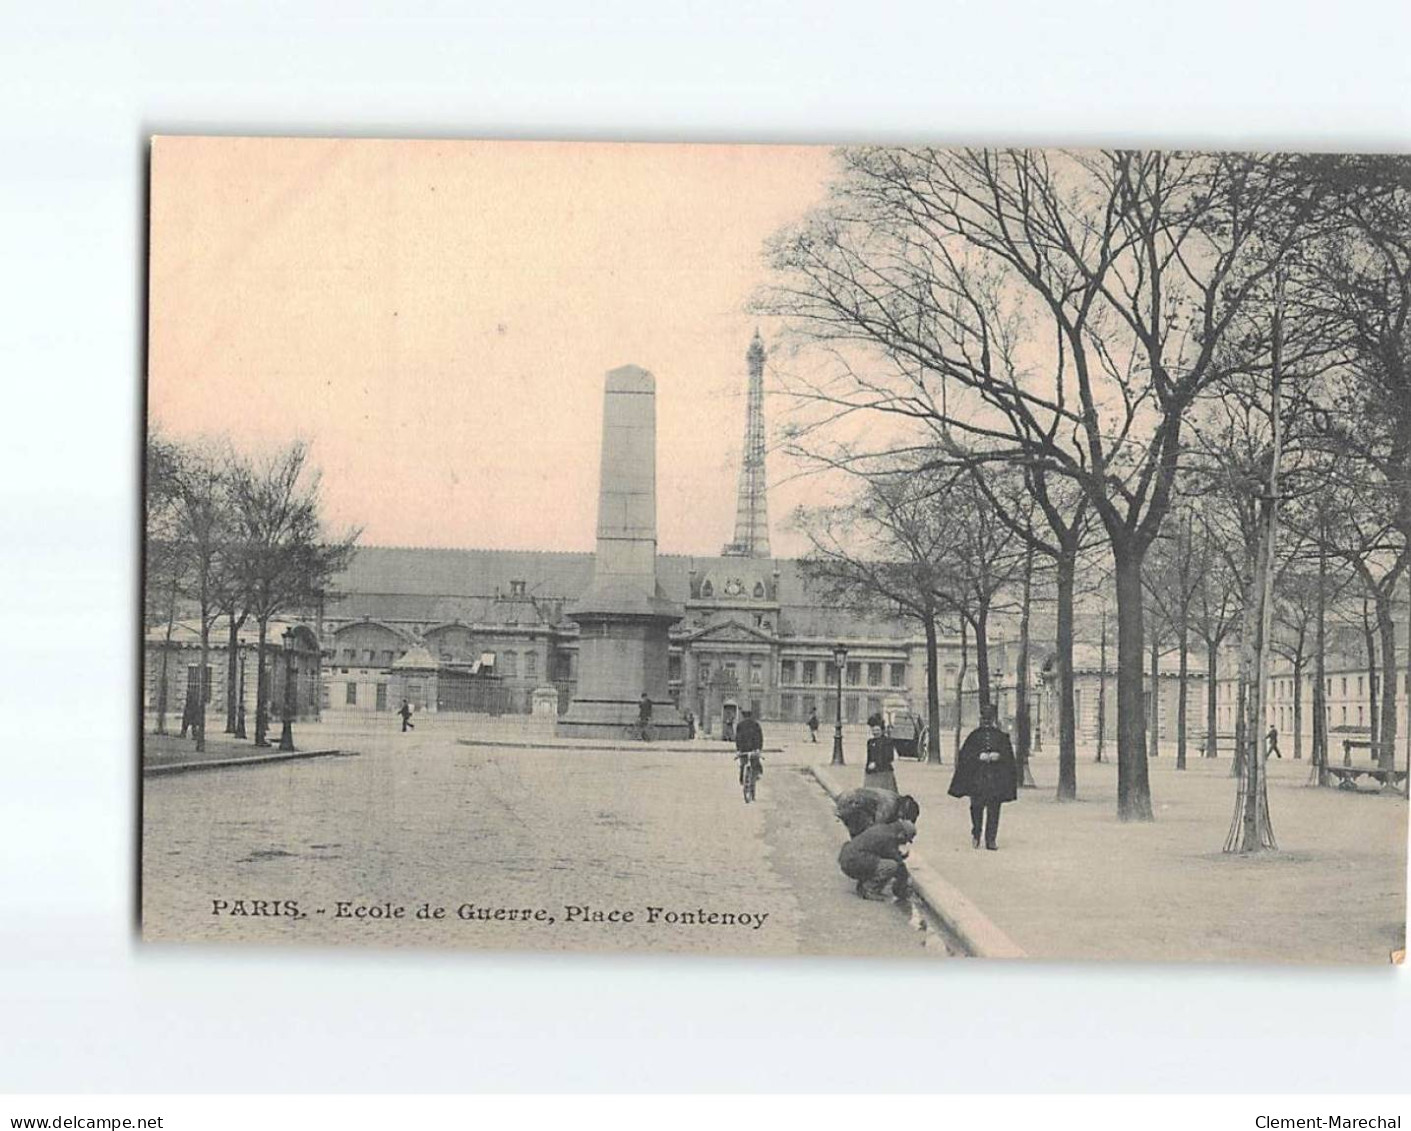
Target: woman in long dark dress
(986,772)
(878,773)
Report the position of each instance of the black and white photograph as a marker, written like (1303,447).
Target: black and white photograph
(885,551)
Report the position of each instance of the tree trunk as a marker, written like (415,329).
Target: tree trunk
(1101,693)
(1298,704)
(960,689)
(1181,693)
(933,691)
(1021,680)
(1154,697)
(166,650)
(1386,751)
(1371,677)
(1067,724)
(1133,784)
(1320,654)
(1212,703)
(982,654)
(202,682)
(232,651)
(261,699)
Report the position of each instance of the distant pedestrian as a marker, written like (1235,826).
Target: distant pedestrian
(1271,744)
(644,716)
(690,724)
(813,725)
(876,857)
(188,715)
(985,772)
(878,773)
(749,742)
(406,712)
(860,809)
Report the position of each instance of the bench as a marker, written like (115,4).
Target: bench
(1347,775)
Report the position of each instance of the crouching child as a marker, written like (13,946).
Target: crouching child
(876,857)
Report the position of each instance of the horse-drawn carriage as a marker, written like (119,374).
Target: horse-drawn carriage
(906,729)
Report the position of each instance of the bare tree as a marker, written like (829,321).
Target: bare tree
(289,557)
(1058,311)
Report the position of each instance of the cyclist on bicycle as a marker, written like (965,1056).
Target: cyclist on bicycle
(749,741)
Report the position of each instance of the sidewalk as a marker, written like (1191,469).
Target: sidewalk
(165,753)
(1072,882)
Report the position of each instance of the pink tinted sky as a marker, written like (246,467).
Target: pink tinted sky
(437,317)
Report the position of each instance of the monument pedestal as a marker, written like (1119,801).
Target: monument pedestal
(619,657)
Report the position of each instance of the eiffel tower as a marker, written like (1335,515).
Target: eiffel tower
(752,508)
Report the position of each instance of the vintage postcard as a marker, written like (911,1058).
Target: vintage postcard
(767,550)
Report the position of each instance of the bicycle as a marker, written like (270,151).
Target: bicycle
(749,774)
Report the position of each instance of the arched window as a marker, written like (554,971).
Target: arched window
(509,665)
(531,665)
(707,589)
(759,591)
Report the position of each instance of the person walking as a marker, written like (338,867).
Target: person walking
(644,717)
(813,725)
(876,857)
(406,712)
(986,773)
(878,773)
(749,741)
(1271,743)
(690,724)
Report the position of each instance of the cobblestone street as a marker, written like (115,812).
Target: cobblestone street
(556,841)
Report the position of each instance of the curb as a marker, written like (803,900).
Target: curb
(970,926)
(554,744)
(258,760)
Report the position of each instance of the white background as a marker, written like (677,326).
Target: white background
(82,1007)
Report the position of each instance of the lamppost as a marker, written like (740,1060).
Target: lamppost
(840,656)
(286,735)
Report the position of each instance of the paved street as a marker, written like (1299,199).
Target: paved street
(558,850)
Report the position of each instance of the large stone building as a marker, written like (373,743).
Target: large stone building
(488,627)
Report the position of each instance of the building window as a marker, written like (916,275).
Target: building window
(387,657)
(810,671)
(1359,685)
(1344,685)
(874,675)
(369,655)
(707,590)
(851,708)
(786,671)
(729,666)
(531,665)
(705,671)
(673,668)
(509,665)
(830,673)
(352,695)
(898,675)
(382,697)
(756,672)
(349,655)
(759,591)
(786,707)
(874,706)
(854,674)
(516,588)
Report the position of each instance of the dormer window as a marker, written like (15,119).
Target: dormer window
(707,589)
(759,591)
(517,588)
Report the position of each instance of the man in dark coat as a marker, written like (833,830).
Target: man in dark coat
(876,857)
(985,772)
(405,710)
(644,716)
(749,741)
(813,726)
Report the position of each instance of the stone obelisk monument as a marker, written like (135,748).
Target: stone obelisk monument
(624,616)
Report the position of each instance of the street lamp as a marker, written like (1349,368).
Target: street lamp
(840,656)
(286,735)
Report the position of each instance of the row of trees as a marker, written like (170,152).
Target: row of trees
(1180,377)
(232,538)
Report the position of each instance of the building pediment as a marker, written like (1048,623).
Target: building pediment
(731,632)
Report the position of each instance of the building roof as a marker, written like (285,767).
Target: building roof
(424,584)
